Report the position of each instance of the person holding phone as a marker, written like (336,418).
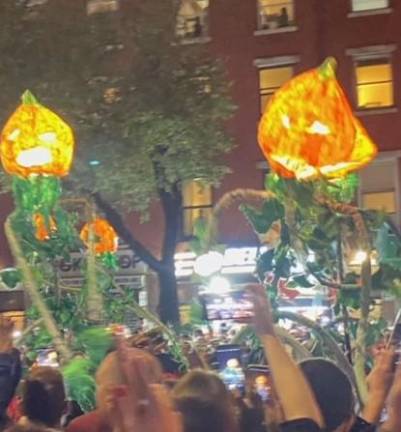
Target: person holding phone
(300,409)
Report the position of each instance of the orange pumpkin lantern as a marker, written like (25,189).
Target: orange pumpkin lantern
(309,130)
(42,228)
(36,141)
(105,240)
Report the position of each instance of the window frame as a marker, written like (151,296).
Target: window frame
(386,157)
(94,7)
(186,208)
(204,36)
(368,11)
(381,192)
(357,86)
(274,63)
(371,53)
(269,91)
(291,23)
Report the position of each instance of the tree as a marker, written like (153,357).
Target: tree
(148,108)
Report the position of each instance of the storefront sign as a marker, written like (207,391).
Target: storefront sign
(130,273)
(235,261)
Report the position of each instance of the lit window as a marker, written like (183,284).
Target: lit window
(365,5)
(197,205)
(270,80)
(192,22)
(378,186)
(274,14)
(381,201)
(374,80)
(100,6)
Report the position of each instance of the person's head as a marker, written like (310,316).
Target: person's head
(109,374)
(333,392)
(43,396)
(205,403)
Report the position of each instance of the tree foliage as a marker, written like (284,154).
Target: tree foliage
(148,108)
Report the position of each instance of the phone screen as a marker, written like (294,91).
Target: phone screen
(47,357)
(260,380)
(229,358)
(234,305)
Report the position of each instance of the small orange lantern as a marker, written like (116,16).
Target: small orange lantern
(42,229)
(105,238)
(308,129)
(36,141)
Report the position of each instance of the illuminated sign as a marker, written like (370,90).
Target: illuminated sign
(235,261)
(130,273)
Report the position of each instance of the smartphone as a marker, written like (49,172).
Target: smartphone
(229,359)
(260,380)
(234,305)
(48,357)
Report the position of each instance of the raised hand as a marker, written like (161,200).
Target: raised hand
(263,319)
(141,404)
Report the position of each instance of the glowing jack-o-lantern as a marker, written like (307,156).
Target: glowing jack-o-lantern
(43,230)
(308,129)
(105,238)
(36,141)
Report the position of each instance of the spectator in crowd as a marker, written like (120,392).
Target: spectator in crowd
(300,410)
(108,376)
(10,369)
(205,403)
(43,401)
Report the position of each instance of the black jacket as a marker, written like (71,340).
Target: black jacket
(10,375)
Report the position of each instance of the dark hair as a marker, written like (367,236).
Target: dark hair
(10,374)
(205,403)
(333,391)
(43,396)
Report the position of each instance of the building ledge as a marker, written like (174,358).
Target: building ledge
(196,40)
(359,14)
(263,32)
(376,111)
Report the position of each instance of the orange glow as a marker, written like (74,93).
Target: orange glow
(309,130)
(42,229)
(36,141)
(106,239)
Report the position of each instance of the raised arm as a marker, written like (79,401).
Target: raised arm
(291,387)
(393,423)
(379,384)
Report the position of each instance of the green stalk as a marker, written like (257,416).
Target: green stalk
(94,299)
(33,291)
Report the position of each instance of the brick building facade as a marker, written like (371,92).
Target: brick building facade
(264,43)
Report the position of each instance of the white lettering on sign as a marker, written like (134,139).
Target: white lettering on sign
(236,261)
(130,270)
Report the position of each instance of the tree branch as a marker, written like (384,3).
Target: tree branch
(122,230)
(171,203)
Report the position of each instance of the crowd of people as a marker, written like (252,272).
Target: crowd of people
(133,393)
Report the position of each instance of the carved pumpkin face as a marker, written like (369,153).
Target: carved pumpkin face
(36,141)
(41,228)
(105,238)
(309,130)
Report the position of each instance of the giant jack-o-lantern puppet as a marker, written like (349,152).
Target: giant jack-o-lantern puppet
(36,141)
(105,238)
(308,129)
(36,148)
